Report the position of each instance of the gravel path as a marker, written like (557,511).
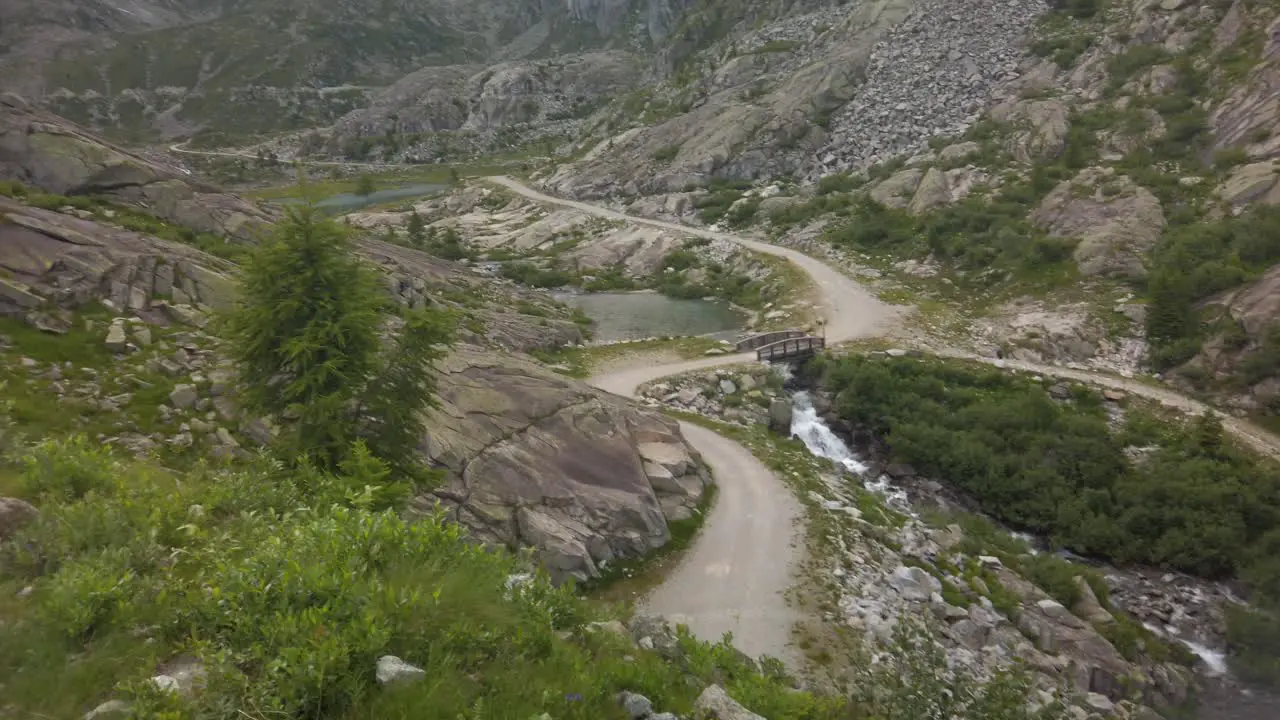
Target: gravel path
(734,576)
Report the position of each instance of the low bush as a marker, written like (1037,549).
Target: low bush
(1057,470)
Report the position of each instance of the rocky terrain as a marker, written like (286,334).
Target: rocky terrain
(1102,136)
(885,558)
(499,232)
(534,459)
(47,152)
(167,69)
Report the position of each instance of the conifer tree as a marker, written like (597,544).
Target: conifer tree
(306,338)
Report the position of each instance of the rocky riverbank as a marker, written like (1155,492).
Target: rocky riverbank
(890,564)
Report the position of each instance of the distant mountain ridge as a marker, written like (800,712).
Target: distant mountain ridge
(170,68)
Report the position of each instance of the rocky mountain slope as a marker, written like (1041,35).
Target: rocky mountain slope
(1056,174)
(173,68)
(533,459)
(45,151)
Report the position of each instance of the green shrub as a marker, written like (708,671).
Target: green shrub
(1193,262)
(1057,470)
(666,154)
(837,183)
(66,470)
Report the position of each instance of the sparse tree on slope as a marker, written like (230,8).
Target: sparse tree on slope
(306,338)
(366,185)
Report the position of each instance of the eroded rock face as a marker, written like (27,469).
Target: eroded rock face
(65,261)
(1255,182)
(51,153)
(538,460)
(1250,116)
(1116,220)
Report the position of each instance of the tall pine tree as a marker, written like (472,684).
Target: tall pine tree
(306,338)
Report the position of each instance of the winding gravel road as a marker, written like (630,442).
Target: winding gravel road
(734,576)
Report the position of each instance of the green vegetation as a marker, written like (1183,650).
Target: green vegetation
(712,279)
(287,589)
(1193,502)
(442,242)
(975,234)
(366,185)
(1057,470)
(1194,262)
(723,194)
(306,336)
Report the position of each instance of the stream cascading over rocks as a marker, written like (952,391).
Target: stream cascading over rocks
(808,427)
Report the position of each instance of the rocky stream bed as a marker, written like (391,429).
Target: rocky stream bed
(882,577)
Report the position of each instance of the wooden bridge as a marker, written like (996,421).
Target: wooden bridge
(791,349)
(782,345)
(768,338)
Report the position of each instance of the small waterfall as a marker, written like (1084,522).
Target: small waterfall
(814,433)
(821,441)
(1214,660)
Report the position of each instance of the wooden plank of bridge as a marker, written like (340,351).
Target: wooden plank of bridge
(791,348)
(757,341)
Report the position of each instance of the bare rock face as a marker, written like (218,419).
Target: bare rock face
(1250,116)
(538,460)
(1116,220)
(480,98)
(1256,182)
(51,153)
(65,261)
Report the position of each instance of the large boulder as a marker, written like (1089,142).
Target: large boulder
(716,704)
(1116,221)
(538,460)
(1255,182)
(898,189)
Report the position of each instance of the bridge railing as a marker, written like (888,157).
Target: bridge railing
(768,338)
(791,348)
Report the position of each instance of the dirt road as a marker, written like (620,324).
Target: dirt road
(734,576)
(850,311)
